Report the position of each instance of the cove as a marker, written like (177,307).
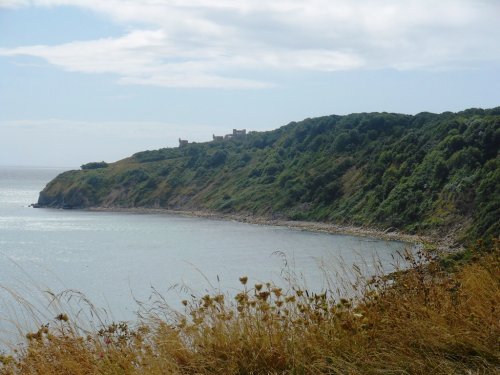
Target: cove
(117,257)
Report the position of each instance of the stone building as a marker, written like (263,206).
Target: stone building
(236,134)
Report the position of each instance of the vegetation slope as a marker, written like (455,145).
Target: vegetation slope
(426,173)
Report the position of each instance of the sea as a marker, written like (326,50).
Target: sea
(122,264)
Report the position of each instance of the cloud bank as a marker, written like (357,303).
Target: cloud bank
(221,43)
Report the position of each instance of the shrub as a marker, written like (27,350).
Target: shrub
(94,165)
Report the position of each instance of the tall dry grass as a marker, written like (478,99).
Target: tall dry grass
(425,320)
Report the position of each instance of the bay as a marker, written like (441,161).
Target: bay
(115,258)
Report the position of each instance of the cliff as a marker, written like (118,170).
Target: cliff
(428,173)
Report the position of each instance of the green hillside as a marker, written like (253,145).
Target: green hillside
(426,173)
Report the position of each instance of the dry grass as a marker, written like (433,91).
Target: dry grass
(421,321)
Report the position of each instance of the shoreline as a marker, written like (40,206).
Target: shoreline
(390,234)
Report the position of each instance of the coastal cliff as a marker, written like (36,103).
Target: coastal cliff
(428,173)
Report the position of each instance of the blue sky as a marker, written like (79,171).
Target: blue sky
(85,80)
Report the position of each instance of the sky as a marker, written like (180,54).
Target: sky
(92,80)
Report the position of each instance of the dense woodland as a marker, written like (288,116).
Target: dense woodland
(428,173)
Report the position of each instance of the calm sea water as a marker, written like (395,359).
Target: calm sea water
(115,258)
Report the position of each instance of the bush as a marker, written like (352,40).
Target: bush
(94,165)
(217,159)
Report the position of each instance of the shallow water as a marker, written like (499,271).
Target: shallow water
(116,257)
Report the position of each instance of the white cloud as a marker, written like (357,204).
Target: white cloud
(13,3)
(214,43)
